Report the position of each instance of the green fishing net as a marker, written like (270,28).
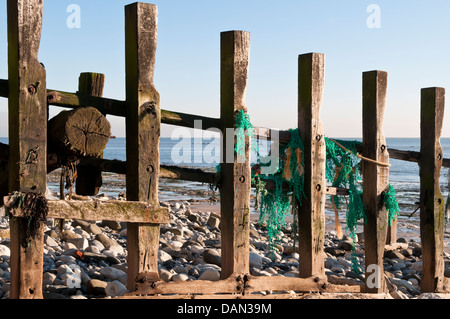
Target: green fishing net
(343,169)
(244,126)
(289,186)
(391,204)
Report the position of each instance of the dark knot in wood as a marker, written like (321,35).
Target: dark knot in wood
(150,108)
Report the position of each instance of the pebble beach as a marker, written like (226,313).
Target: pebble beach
(88,260)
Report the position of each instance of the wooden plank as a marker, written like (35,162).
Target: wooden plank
(375,177)
(310,284)
(241,285)
(143,125)
(229,285)
(235,186)
(89,179)
(113,210)
(311,212)
(27,109)
(432,204)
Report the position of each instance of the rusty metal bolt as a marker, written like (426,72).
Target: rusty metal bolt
(32,89)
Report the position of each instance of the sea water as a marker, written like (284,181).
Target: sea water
(205,154)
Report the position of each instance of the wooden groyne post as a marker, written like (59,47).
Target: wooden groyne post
(27,109)
(143,122)
(375,177)
(431,201)
(235,182)
(311,213)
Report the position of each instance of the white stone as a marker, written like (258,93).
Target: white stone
(48,278)
(115,289)
(111,273)
(71,280)
(4,251)
(165,275)
(97,244)
(197,249)
(255,260)
(114,250)
(210,274)
(163,256)
(180,277)
(80,243)
(49,241)
(64,269)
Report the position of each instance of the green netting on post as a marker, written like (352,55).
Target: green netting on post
(244,126)
(289,185)
(391,204)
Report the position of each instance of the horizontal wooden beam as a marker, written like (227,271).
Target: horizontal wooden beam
(181,173)
(242,285)
(117,108)
(112,210)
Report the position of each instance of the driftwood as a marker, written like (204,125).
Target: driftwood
(82,132)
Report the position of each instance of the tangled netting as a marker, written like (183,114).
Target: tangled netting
(289,186)
(343,169)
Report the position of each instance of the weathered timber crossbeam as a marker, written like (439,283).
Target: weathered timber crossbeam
(181,173)
(112,210)
(240,285)
(407,156)
(115,107)
(118,107)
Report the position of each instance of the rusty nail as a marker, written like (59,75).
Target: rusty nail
(32,89)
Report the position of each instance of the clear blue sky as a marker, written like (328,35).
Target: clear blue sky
(412,45)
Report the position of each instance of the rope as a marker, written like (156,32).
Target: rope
(360,156)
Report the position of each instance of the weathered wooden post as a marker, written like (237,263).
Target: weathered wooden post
(375,178)
(27,107)
(311,213)
(89,180)
(431,201)
(143,121)
(235,184)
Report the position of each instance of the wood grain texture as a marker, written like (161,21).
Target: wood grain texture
(375,177)
(113,210)
(143,125)
(432,204)
(311,212)
(235,182)
(27,110)
(89,179)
